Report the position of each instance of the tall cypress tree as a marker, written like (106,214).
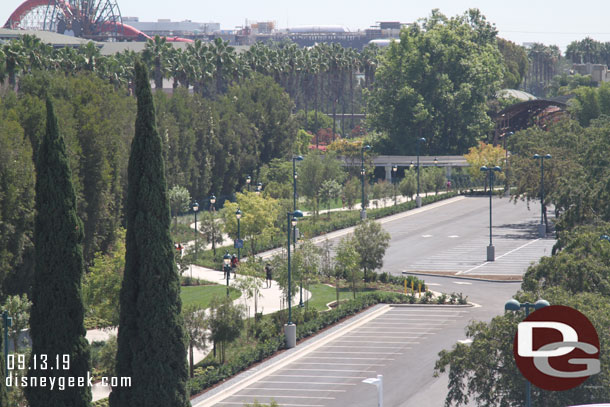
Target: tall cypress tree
(151,340)
(56,318)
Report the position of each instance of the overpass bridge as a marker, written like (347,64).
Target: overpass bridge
(388,161)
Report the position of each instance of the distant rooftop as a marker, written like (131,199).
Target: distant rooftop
(516,94)
(48,37)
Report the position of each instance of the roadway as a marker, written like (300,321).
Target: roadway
(402,343)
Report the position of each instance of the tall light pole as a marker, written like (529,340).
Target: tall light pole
(394,174)
(195,207)
(290,328)
(417,197)
(238,242)
(542,226)
(7,322)
(514,305)
(491,252)
(248,181)
(294,194)
(362,172)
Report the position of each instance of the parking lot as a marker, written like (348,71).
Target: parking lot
(332,373)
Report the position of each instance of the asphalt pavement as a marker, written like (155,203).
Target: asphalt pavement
(402,343)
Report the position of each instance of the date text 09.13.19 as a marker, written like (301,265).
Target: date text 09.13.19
(38,362)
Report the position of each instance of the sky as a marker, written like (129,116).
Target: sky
(557,22)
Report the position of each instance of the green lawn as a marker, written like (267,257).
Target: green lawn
(203,294)
(321,294)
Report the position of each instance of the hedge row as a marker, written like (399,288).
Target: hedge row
(214,374)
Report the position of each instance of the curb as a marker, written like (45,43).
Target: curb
(487,280)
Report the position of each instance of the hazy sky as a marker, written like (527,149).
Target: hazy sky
(551,22)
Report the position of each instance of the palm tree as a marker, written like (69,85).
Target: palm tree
(223,57)
(14,59)
(155,55)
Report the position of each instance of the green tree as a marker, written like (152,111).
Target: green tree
(515,63)
(440,67)
(102,284)
(329,191)
(257,220)
(151,340)
(225,323)
(484,372)
(211,228)
(179,201)
(408,185)
(347,262)
(314,170)
(18,308)
(57,321)
(310,258)
(371,242)
(195,324)
(351,192)
(484,155)
(17,183)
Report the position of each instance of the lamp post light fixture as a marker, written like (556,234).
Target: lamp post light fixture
(195,207)
(417,197)
(259,188)
(248,181)
(491,252)
(226,264)
(362,173)
(514,305)
(290,328)
(542,226)
(435,161)
(238,242)
(7,322)
(294,194)
(604,237)
(394,174)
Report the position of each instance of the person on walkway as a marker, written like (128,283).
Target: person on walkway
(268,274)
(234,264)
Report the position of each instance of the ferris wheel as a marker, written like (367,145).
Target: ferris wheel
(93,19)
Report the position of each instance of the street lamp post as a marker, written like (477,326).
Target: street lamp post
(226,264)
(417,197)
(248,181)
(195,208)
(7,322)
(394,174)
(259,188)
(290,328)
(514,305)
(294,194)
(238,243)
(491,252)
(542,226)
(362,172)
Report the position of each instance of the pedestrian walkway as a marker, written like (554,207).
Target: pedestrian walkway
(269,301)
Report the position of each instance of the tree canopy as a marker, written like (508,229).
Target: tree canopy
(434,84)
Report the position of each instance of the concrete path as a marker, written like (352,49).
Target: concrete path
(269,301)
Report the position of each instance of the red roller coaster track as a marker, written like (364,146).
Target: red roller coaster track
(127,31)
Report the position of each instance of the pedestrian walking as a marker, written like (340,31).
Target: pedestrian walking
(234,264)
(268,274)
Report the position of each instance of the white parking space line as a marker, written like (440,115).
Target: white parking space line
(275,396)
(371,335)
(240,403)
(328,370)
(338,364)
(364,346)
(332,384)
(397,310)
(363,353)
(281,389)
(340,357)
(409,330)
(318,376)
(380,342)
(406,324)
